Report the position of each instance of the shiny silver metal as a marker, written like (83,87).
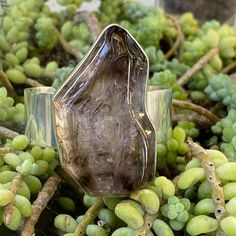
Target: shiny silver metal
(39,115)
(159,101)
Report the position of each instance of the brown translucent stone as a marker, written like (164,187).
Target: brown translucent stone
(106,139)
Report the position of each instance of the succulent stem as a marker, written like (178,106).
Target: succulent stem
(7,84)
(15,184)
(148,220)
(213,180)
(66,46)
(92,22)
(199,109)
(178,37)
(228,68)
(197,66)
(33,83)
(89,216)
(40,203)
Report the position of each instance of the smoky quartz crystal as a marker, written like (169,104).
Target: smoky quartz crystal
(105,137)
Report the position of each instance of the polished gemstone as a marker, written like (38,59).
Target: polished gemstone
(105,137)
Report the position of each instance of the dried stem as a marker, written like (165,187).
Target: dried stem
(199,109)
(92,22)
(33,83)
(66,46)
(178,37)
(148,220)
(7,84)
(218,109)
(89,216)
(15,184)
(196,67)
(194,117)
(7,133)
(213,180)
(64,176)
(175,181)
(233,77)
(228,68)
(13,126)
(40,203)
(167,171)
(4,150)
(181,48)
